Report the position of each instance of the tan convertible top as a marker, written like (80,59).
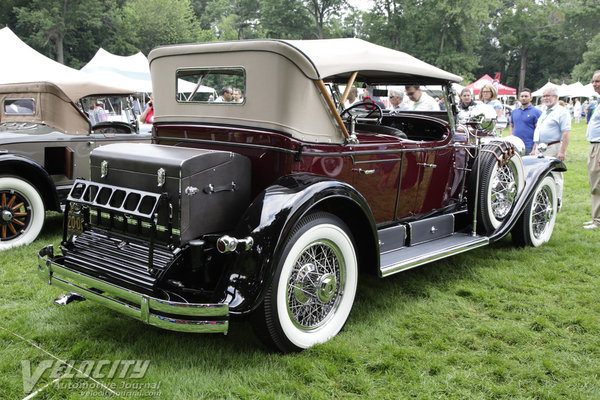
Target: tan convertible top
(52,107)
(328,58)
(282,81)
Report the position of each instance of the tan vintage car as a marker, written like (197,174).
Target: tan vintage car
(46,135)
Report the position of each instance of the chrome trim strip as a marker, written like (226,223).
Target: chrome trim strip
(430,257)
(118,299)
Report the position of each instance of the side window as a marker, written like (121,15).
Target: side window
(19,106)
(211,85)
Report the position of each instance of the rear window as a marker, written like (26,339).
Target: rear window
(19,106)
(211,85)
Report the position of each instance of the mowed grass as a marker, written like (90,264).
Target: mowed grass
(495,323)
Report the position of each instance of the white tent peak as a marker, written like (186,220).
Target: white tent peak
(27,65)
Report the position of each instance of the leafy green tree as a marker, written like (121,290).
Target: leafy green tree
(591,61)
(321,11)
(525,27)
(445,33)
(285,19)
(55,23)
(238,16)
(149,23)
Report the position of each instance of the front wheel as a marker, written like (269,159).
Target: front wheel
(21,212)
(314,285)
(534,227)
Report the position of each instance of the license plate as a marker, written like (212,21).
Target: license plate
(74,224)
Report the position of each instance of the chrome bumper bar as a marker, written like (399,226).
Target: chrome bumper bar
(140,306)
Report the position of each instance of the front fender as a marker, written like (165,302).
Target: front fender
(535,169)
(270,219)
(22,167)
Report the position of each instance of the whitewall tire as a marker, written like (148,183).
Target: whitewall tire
(314,286)
(22,212)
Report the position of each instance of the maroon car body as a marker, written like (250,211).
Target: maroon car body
(269,206)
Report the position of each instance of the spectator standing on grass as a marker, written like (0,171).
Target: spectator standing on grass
(523,120)
(593,164)
(552,132)
(591,108)
(577,110)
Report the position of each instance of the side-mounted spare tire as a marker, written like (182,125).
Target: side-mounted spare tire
(501,181)
(313,288)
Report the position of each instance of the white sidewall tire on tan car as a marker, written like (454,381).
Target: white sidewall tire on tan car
(535,226)
(33,208)
(314,286)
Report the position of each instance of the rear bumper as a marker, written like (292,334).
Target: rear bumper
(165,314)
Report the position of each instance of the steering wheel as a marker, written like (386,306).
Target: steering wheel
(370,107)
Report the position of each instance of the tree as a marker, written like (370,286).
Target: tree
(524,27)
(285,19)
(149,23)
(591,61)
(444,33)
(51,21)
(321,11)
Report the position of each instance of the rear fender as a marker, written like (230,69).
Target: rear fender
(535,169)
(270,219)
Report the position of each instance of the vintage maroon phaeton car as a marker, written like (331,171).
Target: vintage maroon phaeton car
(270,204)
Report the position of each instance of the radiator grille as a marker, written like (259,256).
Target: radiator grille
(117,261)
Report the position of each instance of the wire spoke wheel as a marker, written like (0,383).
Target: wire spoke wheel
(314,285)
(536,224)
(496,183)
(504,191)
(542,212)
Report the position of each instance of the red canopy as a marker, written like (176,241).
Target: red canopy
(502,89)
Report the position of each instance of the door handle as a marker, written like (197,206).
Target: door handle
(427,165)
(364,171)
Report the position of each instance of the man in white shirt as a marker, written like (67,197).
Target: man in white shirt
(396,101)
(593,136)
(553,127)
(421,101)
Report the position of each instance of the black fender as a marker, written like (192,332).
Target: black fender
(536,169)
(29,170)
(269,221)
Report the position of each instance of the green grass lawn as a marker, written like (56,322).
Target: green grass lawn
(495,323)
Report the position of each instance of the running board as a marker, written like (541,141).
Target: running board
(412,256)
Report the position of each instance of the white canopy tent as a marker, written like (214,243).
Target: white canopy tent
(24,64)
(128,70)
(574,90)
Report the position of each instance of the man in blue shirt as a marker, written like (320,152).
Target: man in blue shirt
(593,136)
(523,120)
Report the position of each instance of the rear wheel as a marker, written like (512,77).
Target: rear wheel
(314,285)
(21,212)
(536,224)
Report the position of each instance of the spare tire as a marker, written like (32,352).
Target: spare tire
(501,181)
